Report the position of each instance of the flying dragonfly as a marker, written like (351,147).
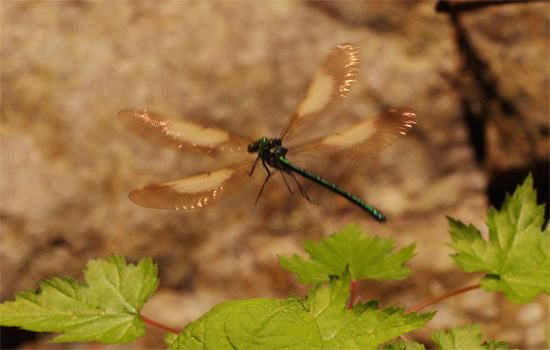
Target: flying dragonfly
(331,84)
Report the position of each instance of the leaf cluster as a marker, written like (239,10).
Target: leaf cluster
(516,254)
(106,306)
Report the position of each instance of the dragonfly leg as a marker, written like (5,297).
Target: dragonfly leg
(254,167)
(286,183)
(265,181)
(302,191)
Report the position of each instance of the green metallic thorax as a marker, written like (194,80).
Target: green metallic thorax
(270,151)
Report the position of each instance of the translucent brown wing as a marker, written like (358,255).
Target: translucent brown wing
(196,191)
(330,85)
(179,134)
(363,139)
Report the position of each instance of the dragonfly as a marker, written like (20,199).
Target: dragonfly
(330,85)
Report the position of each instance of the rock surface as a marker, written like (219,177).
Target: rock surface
(67,167)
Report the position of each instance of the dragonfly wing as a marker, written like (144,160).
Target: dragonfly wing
(197,191)
(363,139)
(330,85)
(178,134)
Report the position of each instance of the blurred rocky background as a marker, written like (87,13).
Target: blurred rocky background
(477,77)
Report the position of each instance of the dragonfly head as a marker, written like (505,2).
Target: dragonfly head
(262,144)
(254,146)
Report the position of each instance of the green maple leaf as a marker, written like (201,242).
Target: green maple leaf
(105,308)
(516,256)
(468,337)
(366,257)
(403,345)
(321,321)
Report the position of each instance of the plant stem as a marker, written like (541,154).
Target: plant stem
(159,325)
(444,296)
(352,294)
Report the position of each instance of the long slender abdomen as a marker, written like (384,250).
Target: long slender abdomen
(338,190)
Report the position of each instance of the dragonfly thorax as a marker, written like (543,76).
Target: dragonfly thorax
(269,150)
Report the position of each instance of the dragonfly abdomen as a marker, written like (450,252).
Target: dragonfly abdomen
(338,190)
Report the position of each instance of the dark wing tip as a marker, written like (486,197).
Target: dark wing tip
(143,197)
(126,113)
(408,119)
(156,196)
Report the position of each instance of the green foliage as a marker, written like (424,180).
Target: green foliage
(366,257)
(403,345)
(516,256)
(104,309)
(468,337)
(106,306)
(321,321)
(170,338)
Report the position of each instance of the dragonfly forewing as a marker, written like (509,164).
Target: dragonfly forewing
(363,139)
(330,85)
(178,134)
(196,191)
